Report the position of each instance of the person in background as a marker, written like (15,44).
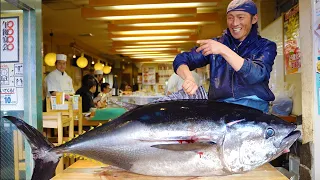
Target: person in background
(58,80)
(98,74)
(240,61)
(125,86)
(175,82)
(104,94)
(86,91)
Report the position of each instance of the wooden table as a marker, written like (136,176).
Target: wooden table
(88,170)
(86,122)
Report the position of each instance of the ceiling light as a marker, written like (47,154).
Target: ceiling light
(149,16)
(164,42)
(146,49)
(157,6)
(151,57)
(149,38)
(164,60)
(140,32)
(145,53)
(148,46)
(169,24)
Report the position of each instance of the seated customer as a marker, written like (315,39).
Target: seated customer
(86,91)
(104,94)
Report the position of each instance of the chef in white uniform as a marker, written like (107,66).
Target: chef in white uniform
(58,80)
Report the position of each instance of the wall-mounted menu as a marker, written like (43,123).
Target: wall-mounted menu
(148,75)
(9,39)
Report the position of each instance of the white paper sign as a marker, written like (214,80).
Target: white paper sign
(11,91)
(8,95)
(9,39)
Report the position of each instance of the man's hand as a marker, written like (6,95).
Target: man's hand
(210,46)
(189,86)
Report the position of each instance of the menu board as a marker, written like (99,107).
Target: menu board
(9,39)
(291,41)
(316,29)
(11,67)
(148,75)
(11,91)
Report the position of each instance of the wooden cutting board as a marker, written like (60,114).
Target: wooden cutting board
(88,170)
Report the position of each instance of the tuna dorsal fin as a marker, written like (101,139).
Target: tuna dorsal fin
(185,147)
(200,94)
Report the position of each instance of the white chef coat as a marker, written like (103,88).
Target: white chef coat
(175,82)
(57,82)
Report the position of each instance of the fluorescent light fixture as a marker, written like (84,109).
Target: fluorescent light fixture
(157,6)
(141,32)
(144,53)
(148,46)
(151,57)
(192,23)
(149,38)
(163,60)
(145,49)
(164,42)
(149,16)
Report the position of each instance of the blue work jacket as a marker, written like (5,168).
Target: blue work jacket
(253,77)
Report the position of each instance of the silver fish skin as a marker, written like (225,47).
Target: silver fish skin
(174,138)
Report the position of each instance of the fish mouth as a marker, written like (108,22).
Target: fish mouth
(287,142)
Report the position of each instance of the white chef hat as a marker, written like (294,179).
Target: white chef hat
(98,72)
(62,57)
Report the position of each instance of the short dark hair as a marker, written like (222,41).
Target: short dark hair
(104,85)
(88,81)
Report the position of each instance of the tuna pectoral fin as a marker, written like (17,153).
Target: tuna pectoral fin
(45,160)
(185,147)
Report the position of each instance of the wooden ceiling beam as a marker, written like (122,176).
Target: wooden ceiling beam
(92,13)
(132,43)
(210,17)
(134,2)
(164,52)
(110,35)
(114,27)
(121,44)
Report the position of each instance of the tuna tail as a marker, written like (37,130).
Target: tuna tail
(46,161)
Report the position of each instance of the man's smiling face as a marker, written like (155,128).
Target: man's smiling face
(240,23)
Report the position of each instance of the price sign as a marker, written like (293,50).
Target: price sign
(8,96)
(9,39)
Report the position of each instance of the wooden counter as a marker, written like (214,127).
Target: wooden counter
(88,170)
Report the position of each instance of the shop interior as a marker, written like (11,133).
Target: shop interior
(131,46)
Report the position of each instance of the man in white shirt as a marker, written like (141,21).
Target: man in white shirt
(175,82)
(58,80)
(98,75)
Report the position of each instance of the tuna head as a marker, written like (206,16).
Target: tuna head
(249,144)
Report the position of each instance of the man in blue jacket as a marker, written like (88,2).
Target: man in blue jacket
(240,61)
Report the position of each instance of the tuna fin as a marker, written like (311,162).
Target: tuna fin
(126,105)
(200,94)
(46,161)
(185,147)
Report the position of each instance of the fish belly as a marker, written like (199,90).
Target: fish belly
(177,163)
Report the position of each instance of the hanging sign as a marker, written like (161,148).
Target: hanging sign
(291,41)
(11,63)
(9,39)
(148,75)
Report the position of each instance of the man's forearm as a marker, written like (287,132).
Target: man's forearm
(183,71)
(232,58)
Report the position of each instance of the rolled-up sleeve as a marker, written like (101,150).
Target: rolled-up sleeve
(192,59)
(257,69)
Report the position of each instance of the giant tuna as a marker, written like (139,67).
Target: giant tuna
(174,137)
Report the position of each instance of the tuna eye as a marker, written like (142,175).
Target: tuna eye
(269,133)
